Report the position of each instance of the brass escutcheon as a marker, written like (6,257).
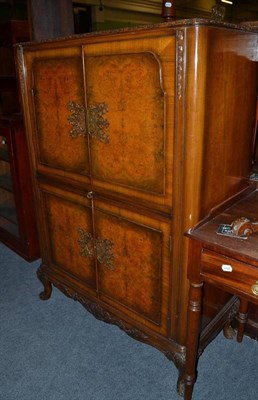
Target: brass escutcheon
(254,288)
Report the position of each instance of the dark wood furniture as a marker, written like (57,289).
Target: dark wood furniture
(17,215)
(255,155)
(11,32)
(129,133)
(230,263)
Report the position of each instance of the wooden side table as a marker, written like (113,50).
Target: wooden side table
(230,263)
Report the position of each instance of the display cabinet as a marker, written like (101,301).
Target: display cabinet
(17,215)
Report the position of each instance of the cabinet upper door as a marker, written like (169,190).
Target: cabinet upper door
(130,102)
(106,117)
(57,102)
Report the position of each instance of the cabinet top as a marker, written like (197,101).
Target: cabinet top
(164,26)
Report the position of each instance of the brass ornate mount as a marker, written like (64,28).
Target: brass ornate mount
(103,248)
(89,122)
(244,227)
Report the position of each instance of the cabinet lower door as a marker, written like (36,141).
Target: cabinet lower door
(69,237)
(133,264)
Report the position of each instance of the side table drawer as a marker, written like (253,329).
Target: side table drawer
(240,277)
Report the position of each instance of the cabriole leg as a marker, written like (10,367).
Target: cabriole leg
(45,295)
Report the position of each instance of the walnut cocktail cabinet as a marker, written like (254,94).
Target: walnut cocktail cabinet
(134,135)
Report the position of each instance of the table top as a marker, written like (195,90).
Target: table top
(244,249)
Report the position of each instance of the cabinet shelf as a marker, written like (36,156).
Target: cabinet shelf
(8,212)
(4,155)
(8,225)
(6,182)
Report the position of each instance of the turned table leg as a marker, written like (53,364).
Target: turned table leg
(194,314)
(242,319)
(194,317)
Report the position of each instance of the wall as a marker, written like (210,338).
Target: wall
(16,11)
(118,14)
(123,13)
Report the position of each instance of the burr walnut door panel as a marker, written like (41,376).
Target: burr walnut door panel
(68,219)
(130,99)
(133,264)
(118,255)
(58,101)
(106,118)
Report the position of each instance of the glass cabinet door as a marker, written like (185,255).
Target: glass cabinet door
(8,216)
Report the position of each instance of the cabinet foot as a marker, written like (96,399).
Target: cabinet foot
(45,295)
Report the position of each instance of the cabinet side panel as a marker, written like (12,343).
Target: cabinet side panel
(215,118)
(229,117)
